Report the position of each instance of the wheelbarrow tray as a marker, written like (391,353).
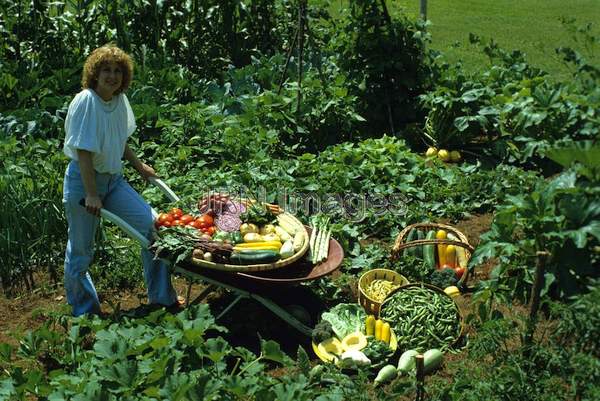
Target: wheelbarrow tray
(294,273)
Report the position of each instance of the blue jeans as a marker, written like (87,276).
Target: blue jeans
(121,199)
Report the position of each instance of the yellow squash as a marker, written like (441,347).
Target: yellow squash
(441,234)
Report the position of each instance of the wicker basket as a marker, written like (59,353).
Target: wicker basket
(401,244)
(264,266)
(440,291)
(372,306)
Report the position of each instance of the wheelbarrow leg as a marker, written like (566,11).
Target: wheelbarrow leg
(231,305)
(209,288)
(269,304)
(189,292)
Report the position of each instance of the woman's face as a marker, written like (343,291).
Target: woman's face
(110,78)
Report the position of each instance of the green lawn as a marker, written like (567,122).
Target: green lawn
(531,26)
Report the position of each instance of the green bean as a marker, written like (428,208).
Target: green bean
(422,317)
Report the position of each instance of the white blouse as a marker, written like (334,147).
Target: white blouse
(100,127)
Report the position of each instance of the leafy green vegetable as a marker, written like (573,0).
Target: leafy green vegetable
(322,331)
(443,278)
(378,352)
(258,214)
(345,319)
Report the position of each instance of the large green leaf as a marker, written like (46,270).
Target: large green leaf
(584,152)
(271,351)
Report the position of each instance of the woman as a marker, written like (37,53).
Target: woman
(98,123)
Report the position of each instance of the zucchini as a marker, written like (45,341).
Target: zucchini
(441,234)
(251,257)
(419,249)
(406,363)
(239,249)
(386,374)
(432,360)
(429,251)
(412,235)
(461,255)
(253,245)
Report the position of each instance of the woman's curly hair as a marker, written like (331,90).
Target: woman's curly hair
(106,54)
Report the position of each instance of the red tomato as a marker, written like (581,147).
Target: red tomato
(168,223)
(195,224)
(178,223)
(205,220)
(459,271)
(209,219)
(162,217)
(186,219)
(211,230)
(176,213)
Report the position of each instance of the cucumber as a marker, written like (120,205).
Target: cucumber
(419,249)
(429,251)
(251,257)
(412,235)
(406,363)
(386,374)
(432,360)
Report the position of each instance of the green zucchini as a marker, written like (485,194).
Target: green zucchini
(386,374)
(432,360)
(412,235)
(429,251)
(419,249)
(406,363)
(252,257)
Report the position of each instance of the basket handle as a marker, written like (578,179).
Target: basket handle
(426,227)
(420,242)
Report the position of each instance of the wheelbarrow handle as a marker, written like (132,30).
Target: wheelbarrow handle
(122,224)
(164,188)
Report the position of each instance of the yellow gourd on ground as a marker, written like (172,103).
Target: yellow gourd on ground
(444,155)
(431,152)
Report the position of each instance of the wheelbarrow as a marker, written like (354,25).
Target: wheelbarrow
(262,287)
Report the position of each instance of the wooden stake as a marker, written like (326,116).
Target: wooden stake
(301,17)
(287,61)
(534,301)
(419,359)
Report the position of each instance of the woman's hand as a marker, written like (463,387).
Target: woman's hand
(146,171)
(93,204)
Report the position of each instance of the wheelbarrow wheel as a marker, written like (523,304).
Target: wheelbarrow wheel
(302,303)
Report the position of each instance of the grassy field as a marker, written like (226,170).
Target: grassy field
(532,26)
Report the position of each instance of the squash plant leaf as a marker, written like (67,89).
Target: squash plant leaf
(215,349)
(270,350)
(303,360)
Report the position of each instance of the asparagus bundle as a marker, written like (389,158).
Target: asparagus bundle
(319,239)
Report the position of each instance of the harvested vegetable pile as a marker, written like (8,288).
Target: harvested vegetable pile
(422,318)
